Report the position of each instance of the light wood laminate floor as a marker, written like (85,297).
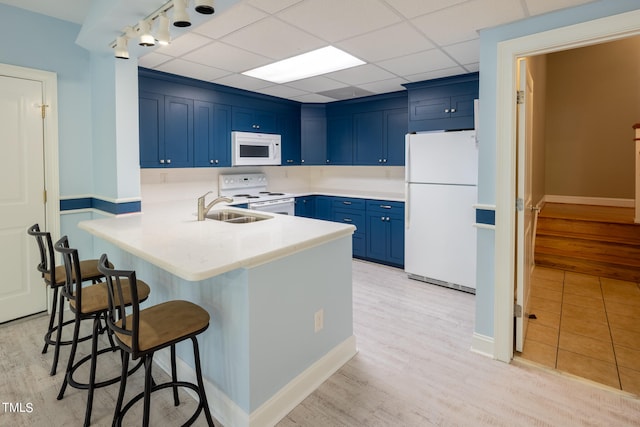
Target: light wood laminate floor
(586,325)
(414,368)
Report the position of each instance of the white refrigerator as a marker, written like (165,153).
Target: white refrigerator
(441,177)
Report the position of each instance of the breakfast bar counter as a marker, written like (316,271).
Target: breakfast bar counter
(278,291)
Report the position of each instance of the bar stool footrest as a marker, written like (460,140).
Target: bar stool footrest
(85,386)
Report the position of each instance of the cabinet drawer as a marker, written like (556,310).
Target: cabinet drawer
(347,216)
(386,207)
(348,203)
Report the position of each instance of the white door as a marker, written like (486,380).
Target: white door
(525,221)
(22,291)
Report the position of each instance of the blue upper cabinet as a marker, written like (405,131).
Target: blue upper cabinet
(368,138)
(395,130)
(289,130)
(313,134)
(340,140)
(151,128)
(178,134)
(443,104)
(254,120)
(212,134)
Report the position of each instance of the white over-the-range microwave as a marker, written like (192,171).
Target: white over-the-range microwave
(255,149)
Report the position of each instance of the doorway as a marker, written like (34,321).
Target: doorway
(588,33)
(29,148)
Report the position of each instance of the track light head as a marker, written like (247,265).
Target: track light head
(205,7)
(144,30)
(180,16)
(163,36)
(120,49)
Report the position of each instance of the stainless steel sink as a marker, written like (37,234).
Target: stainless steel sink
(235,217)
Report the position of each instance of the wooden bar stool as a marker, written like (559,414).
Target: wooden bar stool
(55,278)
(89,302)
(142,332)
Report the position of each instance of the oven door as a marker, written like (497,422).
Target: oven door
(280,206)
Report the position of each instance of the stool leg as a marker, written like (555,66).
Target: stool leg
(201,392)
(117,420)
(174,376)
(56,352)
(148,362)
(51,319)
(72,355)
(92,371)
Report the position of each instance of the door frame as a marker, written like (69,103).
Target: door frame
(49,82)
(587,33)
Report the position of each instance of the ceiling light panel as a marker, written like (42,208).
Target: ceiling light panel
(317,62)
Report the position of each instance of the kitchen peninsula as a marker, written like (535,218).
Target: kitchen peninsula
(278,291)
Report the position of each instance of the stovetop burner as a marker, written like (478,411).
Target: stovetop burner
(248,196)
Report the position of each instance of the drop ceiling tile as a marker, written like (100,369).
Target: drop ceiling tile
(274,39)
(242,82)
(537,7)
(193,70)
(411,9)
(282,91)
(226,57)
(153,59)
(335,20)
(312,97)
(359,75)
(183,44)
(272,6)
(461,22)
(435,74)
(230,20)
(385,86)
(315,84)
(420,62)
(390,42)
(472,68)
(465,52)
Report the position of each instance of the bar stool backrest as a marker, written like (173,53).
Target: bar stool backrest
(47,265)
(72,289)
(117,319)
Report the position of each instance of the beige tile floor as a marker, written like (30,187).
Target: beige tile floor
(585,325)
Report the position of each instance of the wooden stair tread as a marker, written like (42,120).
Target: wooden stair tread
(609,238)
(589,267)
(620,255)
(611,214)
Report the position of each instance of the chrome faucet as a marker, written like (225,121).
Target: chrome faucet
(204,210)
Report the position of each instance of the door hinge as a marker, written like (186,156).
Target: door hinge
(517,310)
(520,97)
(44,196)
(43,109)
(519,204)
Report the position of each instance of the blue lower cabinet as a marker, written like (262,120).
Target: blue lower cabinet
(323,208)
(305,206)
(354,217)
(385,232)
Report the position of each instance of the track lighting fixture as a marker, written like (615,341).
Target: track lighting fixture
(121,50)
(162,35)
(143,29)
(180,15)
(204,6)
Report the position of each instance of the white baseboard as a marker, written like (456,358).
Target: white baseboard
(597,201)
(279,405)
(483,345)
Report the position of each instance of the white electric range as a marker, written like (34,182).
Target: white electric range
(251,188)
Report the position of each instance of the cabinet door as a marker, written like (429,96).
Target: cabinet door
(377,231)
(340,140)
(313,141)
(368,138)
(289,130)
(178,132)
(151,129)
(254,120)
(305,206)
(395,248)
(212,134)
(324,208)
(396,125)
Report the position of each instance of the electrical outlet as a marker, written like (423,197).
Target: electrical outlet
(318,320)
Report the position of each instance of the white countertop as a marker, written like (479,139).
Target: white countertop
(169,236)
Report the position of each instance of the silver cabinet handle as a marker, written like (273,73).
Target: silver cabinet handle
(161,161)
(385,206)
(302,161)
(168,161)
(446,110)
(346,203)
(388,219)
(453,110)
(381,218)
(347,220)
(379,160)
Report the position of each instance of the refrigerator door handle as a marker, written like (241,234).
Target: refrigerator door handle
(407,201)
